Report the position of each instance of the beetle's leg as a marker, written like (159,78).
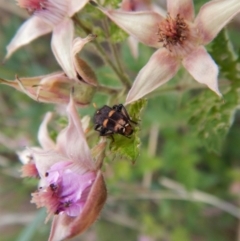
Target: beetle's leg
(97,127)
(118,108)
(124,112)
(105,132)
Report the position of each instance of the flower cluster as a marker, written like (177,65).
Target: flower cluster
(71,183)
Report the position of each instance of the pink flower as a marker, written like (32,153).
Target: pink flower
(49,16)
(71,184)
(55,87)
(180,39)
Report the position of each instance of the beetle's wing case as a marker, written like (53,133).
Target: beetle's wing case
(101,114)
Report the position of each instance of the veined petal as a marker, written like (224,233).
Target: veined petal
(161,67)
(203,68)
(183,7)
(72,142)
(33,28)
(213,16)
(64,226)
(43,136)
(75,6)
(62,46)
(142,25)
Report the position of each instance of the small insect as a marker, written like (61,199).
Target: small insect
(109,120)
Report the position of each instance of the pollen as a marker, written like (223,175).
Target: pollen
(32,5)
(174,33)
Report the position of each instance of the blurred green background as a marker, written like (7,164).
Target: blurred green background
(177,190)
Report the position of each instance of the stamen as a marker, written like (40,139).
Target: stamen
(176,35)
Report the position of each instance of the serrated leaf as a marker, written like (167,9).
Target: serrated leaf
(129,147)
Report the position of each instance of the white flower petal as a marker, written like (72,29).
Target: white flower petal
(183,7)
(203,68)
(133,45)
(62,46)
(213,16)
(157,9)
(45,159)
(33,28)
(71,141)
(75,6)
(160,68)
(43,136)
(142,25)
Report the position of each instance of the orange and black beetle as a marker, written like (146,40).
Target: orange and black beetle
(109,121)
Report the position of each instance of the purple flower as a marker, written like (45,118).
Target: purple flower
(71,184)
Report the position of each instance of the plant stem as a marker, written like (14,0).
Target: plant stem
(103,55)
(113,48)
(108,90)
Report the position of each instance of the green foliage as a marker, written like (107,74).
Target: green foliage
(116,34)
(210,115)
(112,3)
(129,147)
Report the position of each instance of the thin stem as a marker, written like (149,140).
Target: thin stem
(113,48)
(152,148)
(199,196)
(103,55)
(108,90)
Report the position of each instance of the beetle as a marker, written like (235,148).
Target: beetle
(110,120)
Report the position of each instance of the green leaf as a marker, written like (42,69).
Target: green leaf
(129,147)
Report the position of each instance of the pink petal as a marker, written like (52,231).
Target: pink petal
(160,68)
(133,45)
(142,25)
(72,142)
(203,68)
(45,159)
(62,46)
(75,6)
(213,16)
(43,136)
(183,7)
(30,30)
(135,5)
(64,227)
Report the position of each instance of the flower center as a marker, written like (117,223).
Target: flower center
(64,190)
(175,34)
(32,5)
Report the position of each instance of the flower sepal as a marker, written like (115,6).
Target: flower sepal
(53,88)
